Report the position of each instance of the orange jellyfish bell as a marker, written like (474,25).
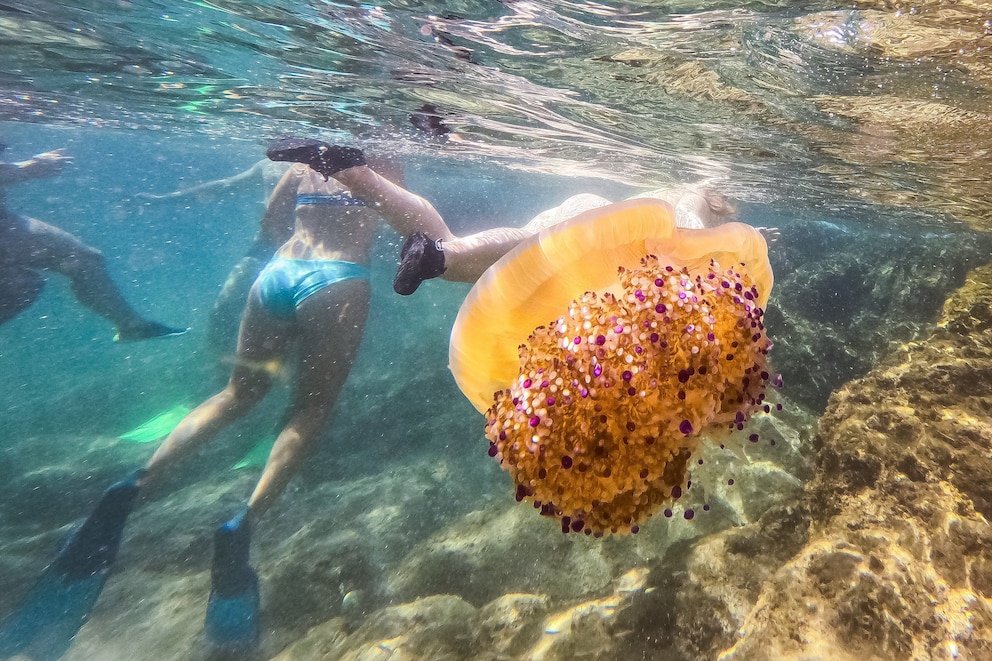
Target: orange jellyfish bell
(602,347)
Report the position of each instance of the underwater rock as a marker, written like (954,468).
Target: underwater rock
(441,628)
(586,630)
(696,597)
(148,616)
(845,297)
(899,562)
(511,623)
(479,558)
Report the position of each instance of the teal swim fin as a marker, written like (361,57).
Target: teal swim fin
(56,607)
(232,623)
(257,456)
(158,427)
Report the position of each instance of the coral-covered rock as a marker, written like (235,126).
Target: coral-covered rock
(899,560)
(442,627)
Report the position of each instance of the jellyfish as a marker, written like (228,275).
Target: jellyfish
(604,349)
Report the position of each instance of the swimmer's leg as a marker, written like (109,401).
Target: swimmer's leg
(60,602)
(51,248)
(226,313)
(262,339)
(339,311)
(19,288)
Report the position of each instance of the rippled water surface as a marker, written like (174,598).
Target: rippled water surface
(869,105)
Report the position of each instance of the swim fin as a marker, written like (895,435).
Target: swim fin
(146,330)
(158,427)
(257,456)
(421,258)
(231,626)
(56,607)
(322,157)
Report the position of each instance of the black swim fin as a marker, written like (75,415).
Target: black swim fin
(56,607)
(146,330)
(231,626)
(322,157)
(420,259)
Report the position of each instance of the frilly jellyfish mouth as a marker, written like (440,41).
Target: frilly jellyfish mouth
(612,457)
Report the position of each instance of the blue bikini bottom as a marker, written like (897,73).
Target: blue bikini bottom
(285,283)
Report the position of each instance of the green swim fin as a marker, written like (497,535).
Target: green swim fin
(158,427)
(257,456)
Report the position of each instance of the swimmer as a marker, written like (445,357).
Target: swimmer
(465,259)
(28,247)
(315,287)
(267,172)
(272,232)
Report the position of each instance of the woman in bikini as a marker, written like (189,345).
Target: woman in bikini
(313,295)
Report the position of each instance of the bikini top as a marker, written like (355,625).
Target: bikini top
(341,199)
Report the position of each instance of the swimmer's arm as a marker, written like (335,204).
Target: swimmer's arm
(41,166)
(254,172)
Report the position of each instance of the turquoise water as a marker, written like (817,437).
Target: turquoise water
(866,150)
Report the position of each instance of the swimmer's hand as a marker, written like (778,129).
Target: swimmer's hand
(44,165)
(148,197)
